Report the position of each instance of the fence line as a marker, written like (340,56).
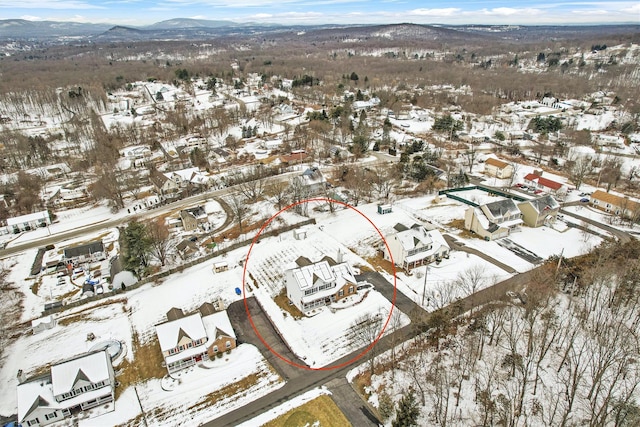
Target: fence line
(155,277)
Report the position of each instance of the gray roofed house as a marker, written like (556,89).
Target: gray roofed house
(493,220)
(539,211)
(88,252)
(415,246)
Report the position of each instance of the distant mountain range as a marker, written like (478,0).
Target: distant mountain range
(198,29)
(24,29)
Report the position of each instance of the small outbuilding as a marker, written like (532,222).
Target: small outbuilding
(42,324)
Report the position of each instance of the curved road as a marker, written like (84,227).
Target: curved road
(301,380)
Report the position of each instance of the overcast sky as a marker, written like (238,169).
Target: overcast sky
(142,12)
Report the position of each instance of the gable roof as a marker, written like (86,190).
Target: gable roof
(206,309)
(615,200)
(502,208)
(296,157)
(219,324)
(496,162)
(95,367)
(158,179)
(170,333)
(34,394)
(303,261)
(175,314)
(400,227)
(545,182)
(86,249)
(541,204)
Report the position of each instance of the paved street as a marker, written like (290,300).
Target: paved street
(302,380)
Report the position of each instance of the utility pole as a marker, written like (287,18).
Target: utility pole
(424,287)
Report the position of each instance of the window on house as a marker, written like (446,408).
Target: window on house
(341,293)
(215,348)
(50,416)
(228,344)
(33,422)
(350,289)
(608,205)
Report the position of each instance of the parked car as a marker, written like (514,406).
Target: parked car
(585,200)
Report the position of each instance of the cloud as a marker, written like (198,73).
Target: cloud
(47,4)
(632,9)
(261,16)
(449,11)
(510,11)
(33,18)
(591,12)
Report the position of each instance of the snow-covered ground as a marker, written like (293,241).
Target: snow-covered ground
(138,311)
(327,335)
(285,407)
(183,399)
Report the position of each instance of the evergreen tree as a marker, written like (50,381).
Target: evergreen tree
(137,248)
(407,412)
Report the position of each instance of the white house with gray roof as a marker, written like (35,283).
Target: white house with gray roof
(313,285)
(493,220)
(84,382)
(415,246)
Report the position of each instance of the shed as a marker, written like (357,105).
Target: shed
(300,234)
(43,323)
(384,209)
(220,266)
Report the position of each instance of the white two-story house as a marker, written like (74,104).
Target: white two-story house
(493,220)
(77,384)
(498,168)
(312,285)
(415,246)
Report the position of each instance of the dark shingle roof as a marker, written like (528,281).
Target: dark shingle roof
(175,314)
(86,249)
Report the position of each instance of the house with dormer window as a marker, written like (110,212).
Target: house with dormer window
(410,247)
(84,382)
(187,340)
(493,220)
(312,285)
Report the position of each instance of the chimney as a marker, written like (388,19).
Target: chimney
(538,172)
(21,376)
(340,257)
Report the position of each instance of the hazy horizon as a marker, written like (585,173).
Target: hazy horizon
(305,12)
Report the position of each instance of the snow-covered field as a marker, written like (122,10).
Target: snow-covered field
(326,336)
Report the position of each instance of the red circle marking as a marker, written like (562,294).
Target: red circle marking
(244,292)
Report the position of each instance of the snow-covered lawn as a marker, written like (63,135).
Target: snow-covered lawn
(197,394)
(328,335)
